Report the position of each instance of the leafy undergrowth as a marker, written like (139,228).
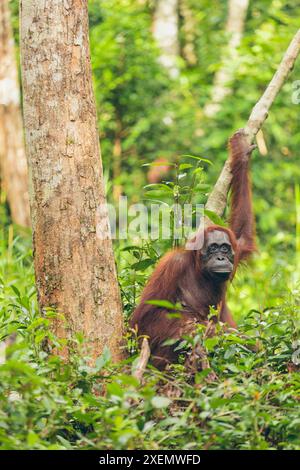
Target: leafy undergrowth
(48,404)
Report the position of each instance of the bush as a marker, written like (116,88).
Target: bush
(47,403)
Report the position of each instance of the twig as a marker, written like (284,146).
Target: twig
(142,361)
(218,198)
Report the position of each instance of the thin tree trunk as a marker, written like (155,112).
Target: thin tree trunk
(74,262)
(165,31)
(237,11)
(13,165)
(189,30)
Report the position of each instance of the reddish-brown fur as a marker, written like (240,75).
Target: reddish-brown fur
(178,276)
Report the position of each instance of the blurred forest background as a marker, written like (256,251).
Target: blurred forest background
(154,108)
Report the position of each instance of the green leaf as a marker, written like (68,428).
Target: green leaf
(104,359)
(115,390)
(143,264)
(156,193)
(210,343)
(16,291)
(170,342)
(32,438)
(162,186)
(205,160)
(131,247)
(164,303)
(64,442)
(233,368)
(174,315)
(185,166)
(159,164)
(215,218)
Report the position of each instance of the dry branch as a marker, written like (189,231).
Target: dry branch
(218,198)
(142,361)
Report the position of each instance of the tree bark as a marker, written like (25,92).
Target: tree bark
(165,31)
(74,262)
(13,165)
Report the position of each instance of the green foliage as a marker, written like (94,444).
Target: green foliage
(47,403)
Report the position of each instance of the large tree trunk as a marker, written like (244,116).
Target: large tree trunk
(165,31)
(74,262)
(13,165)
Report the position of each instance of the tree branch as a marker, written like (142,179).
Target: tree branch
(142,361)
(218,198)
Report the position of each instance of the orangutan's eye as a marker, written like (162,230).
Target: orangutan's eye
(213,247)
(225,248)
